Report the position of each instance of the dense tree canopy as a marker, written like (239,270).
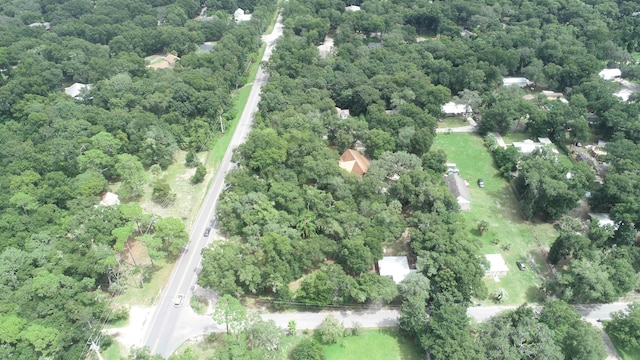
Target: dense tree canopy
(64,257)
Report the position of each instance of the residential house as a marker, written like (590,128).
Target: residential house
(451,108)
(395,267)
(459,189)
(76,90)
(354,162)
(240,16)
(46,25)
(516,81)
(528,146)
(610,74)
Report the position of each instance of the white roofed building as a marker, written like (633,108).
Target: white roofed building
(610,74)
(451,108)
(240,16)
(109,199)
(352,8)
(516,81)
(395,267)
(76,89)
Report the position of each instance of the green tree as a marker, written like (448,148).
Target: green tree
(308,349)
(173,234)
(624,327)
(483,227)
(132,174)
(198,176)
(162,194)
(229,311)
(448,335)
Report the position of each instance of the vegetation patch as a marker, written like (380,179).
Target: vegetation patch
(626,354)
(508,234)
(378,344)
(452,122)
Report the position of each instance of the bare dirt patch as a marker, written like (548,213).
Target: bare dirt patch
(132,334)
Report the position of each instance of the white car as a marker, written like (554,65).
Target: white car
(178,301)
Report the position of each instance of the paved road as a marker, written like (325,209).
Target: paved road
(169,325)
(193,325)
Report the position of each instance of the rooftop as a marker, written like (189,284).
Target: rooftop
(516,81)
(610,74)
(76,89)
(456,109)
(109,199)
(396,267)
(354,162)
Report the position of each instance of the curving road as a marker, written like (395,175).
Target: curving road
(169,326)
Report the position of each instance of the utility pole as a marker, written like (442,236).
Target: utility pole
(96,348)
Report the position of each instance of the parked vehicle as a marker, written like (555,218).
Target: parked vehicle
(178,301)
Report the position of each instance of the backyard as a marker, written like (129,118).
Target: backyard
(375,344)
(508,234)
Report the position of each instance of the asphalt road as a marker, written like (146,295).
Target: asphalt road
(193,325)
(168,326)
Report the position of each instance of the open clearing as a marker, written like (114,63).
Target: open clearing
(378,344)
(449,122)
(371,344)
(496,203)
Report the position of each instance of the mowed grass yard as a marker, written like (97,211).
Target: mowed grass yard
(378,344)
(496,204)
(371,344)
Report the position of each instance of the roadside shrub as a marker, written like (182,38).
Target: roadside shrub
(308,349)
(330,331)
(198,177)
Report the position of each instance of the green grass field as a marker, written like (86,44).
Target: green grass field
(371,344)
(630,354)
(497,204)
(452,122)
(378,344)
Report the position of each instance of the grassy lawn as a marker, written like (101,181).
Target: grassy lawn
(113,352)
(497,204)
(452,122)
(631,354)
(378,344)
(511,137)
(372,344)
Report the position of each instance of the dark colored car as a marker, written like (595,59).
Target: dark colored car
(207,231)
(521,265)
(480,182)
